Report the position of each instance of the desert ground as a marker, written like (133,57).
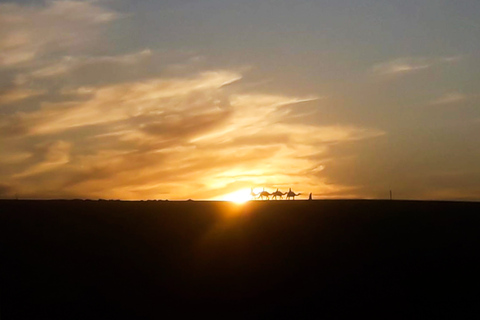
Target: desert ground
(75,259)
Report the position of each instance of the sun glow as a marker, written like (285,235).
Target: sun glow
(240,196)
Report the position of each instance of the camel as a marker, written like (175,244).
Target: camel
(278,194)
(264,194)
(291,194)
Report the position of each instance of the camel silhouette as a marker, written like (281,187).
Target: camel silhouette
(291,194)
(264,194)
(278,194)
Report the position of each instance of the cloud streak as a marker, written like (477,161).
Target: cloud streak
(449,98)
(30,32)
(407,65)
(69,63)
(16,94)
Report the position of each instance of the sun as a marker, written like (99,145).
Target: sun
(239,196)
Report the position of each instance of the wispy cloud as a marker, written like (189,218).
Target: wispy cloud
(30,31)
(165,99)
(410,64)
(69,63)
(148,138)
(403,65)
(50,156)
(15,94)
(449,98)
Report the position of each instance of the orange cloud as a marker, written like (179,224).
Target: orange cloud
(175,138)
(18,94)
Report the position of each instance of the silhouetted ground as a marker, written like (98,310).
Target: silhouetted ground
(303,259)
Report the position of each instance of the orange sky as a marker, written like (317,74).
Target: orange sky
(178,101)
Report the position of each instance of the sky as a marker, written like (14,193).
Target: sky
(179,99)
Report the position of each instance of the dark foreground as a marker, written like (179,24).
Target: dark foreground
(303,259)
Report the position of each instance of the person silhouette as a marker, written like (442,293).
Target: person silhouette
(310,196)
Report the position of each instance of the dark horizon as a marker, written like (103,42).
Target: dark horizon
(248,201)
(150,259)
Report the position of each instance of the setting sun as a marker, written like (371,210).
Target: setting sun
(240,196)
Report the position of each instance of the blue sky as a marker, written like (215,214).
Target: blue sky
(198,99)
